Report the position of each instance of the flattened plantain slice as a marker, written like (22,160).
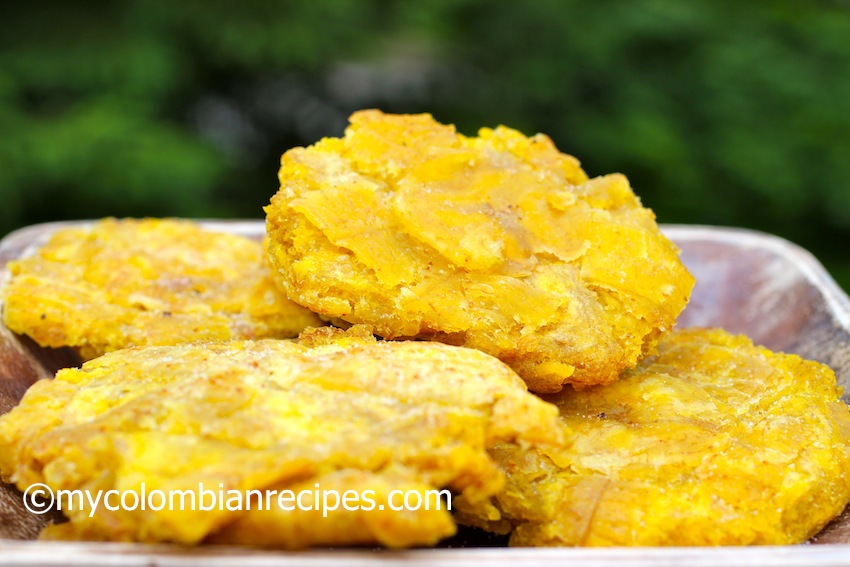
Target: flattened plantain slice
(497,242)
(336,409)
(129,282)
(713,441)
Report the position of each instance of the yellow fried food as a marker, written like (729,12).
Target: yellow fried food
(712,442)
(497,242)
(335,411)
(121,283)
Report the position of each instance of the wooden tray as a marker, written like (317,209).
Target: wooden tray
(747,282)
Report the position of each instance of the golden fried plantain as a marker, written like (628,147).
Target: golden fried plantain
(497,242)
(713,441)
(121,283)
(337,409)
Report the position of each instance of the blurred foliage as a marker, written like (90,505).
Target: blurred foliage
(720,112)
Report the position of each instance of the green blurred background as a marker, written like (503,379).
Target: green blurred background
(720,112)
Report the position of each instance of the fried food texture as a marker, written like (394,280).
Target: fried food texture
(335,409)
(712,442)
(129,282)
(497,242)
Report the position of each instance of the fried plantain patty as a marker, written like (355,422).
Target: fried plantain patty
(336,409)
(713,441)
(121,283)
(497,242)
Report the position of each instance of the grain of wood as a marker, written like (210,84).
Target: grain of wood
(747,282)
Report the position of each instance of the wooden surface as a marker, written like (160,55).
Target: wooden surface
(747,282)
